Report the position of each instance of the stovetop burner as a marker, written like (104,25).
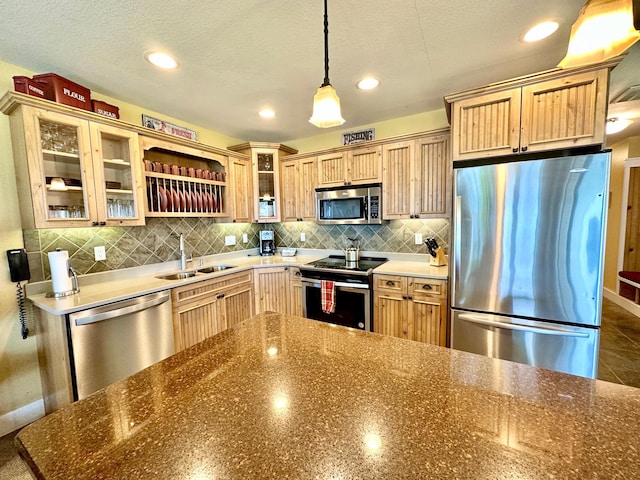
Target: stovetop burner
(338,262)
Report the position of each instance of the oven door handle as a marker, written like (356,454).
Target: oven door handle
(342,285)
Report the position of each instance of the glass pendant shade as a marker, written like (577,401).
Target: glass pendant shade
(604,29)
(326,108)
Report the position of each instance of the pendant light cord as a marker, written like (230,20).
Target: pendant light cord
(326,46)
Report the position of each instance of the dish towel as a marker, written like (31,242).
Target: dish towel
(328,296)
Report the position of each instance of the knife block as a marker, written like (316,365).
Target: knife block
(440,260)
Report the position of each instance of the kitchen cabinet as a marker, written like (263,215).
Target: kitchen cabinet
(551,110)
(203,309)
(184,181)
(272,289)
(241,190)
(416,177)
(411,307)
(72,172)
(355,166)
(265,169)
(295,290)
(299,180)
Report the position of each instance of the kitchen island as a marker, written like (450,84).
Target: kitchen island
(279,396)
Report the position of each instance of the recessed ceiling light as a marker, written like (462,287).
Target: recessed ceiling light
(161,60)
(615,125)
(540,31)
(267,113)
(368,83)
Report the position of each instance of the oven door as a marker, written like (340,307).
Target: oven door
(353,308)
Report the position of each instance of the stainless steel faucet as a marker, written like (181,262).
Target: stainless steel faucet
(183,254)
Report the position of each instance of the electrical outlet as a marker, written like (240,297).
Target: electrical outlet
(245,238)
(230,240)
(418,239)
(99,253)
(303,237)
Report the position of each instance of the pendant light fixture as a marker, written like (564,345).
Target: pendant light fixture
(326,104)
(604,29)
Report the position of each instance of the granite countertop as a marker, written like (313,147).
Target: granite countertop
(100,289)
(284,397)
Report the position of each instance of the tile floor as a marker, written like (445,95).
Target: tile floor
(619,359)
(619,363)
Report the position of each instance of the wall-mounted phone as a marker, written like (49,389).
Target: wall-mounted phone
(19,271)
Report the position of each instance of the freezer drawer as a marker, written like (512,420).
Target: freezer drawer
(563,348)
(114,341)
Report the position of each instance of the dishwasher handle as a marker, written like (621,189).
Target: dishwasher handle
(140,303)
(525,328)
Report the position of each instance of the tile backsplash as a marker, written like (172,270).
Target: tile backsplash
(157,241)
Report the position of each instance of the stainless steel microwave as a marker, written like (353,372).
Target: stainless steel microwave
(361,204)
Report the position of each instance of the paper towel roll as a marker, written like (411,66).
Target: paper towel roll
(59,266)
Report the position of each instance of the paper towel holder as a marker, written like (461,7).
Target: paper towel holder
(73,291)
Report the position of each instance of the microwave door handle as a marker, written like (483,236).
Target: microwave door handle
(525,328)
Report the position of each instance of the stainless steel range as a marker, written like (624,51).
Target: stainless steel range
(352,284)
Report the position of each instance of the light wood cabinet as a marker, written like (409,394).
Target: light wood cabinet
(546,111)
(175,184)
(355,166)
(241,190)
(416,177)
(265,169)
(203,309)
(411,307)
(299,179)
(72,172)
(295,290)
(272,289)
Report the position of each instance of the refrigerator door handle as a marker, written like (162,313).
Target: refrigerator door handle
(525,328)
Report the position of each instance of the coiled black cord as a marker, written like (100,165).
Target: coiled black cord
(22,312)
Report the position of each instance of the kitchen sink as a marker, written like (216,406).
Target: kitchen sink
(177,276)
(215,268)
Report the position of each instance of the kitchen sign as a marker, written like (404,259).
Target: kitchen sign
(170,128)
(358,136)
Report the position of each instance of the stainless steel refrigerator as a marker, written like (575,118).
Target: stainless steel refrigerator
(527,260)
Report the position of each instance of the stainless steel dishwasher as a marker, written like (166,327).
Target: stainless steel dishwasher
(111,342)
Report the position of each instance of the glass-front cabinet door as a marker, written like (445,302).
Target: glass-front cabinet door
(60,169)
(81,173)
(117,175)
(268,208)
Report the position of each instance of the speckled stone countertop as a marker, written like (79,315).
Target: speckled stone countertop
(284,397)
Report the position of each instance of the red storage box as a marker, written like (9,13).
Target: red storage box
(26,85)
(103,108)
(62,90)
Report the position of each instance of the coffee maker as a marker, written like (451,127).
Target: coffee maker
(267,243)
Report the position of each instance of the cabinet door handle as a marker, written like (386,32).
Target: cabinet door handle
(524,149)
(409,297)
(220,295)
(404,297)
(94,224)
(515,150)
(102,224)
(391,283)
(426,286)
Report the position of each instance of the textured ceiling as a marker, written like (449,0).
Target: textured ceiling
(238,56)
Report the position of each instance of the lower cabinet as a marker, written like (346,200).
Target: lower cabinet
(204,309)
(272,289)
(411,307)
(295,291)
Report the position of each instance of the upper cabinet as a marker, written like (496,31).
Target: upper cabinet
(350,167)
(265,166)
(416,177)
(299,180)
(184,181)
(241,197)
(551,110)
(72,172)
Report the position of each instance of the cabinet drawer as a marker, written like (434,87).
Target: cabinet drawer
(427,286)
(390,283)
(195,291)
